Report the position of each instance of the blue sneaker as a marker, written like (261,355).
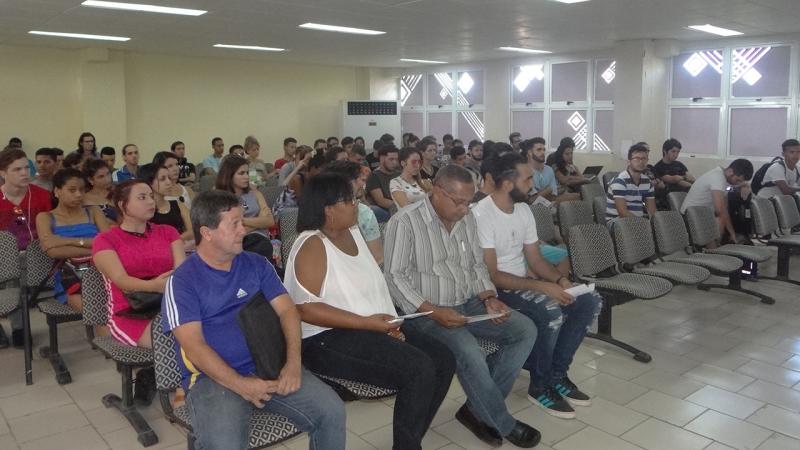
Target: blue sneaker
(574,396)
(552,402)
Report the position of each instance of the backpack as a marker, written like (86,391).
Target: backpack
(758,178)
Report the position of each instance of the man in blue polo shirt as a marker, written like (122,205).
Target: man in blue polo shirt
(201,304)
(130,154)
(630,193)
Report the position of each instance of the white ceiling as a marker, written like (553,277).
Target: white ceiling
(449,30)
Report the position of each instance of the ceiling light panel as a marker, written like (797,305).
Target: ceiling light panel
(719,31)
(143,8)
(98,37)
(523,50)
(422,61)
(339,29)
(250,47)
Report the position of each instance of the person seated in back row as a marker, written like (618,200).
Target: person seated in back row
(201,306)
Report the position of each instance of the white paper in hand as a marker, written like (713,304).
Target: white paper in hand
(580,289)
(483,317)
(540,200)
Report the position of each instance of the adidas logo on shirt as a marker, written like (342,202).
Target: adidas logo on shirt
(241,293)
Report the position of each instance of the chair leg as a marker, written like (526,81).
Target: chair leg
(735,284)
(26,333)
(51,353)
(145,435)
(604,334)
(784,253)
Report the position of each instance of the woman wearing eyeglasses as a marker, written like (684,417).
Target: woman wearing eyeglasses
(346,311)
(409,187)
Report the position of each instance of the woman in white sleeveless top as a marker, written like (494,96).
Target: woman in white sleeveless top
(346,308)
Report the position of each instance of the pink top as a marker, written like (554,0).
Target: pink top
(142,257)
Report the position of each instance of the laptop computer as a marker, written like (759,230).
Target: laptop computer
(591,172)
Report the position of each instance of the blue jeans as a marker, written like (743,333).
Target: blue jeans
(487,381)
(381,215)
(221,418)
(561,330)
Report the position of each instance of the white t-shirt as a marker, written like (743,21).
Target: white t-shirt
(506,234)
(414,192)
(777,172)
(700,192)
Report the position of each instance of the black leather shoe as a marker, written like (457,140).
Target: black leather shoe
(3,339)
(524,435)
(482,431)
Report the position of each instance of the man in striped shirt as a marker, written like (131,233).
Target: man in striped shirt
(631,192)
(433,262)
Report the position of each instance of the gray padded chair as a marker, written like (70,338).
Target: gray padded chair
(636,251)
(95,298)
(599,207)
(592,255)
(672,242)
(10,273)
(591,190)
(288,222)
(573,213)
(266,428)
(788,214)
(765,222)
(675,200)
(703,230)
(206,182)
(271,194)
(41,269)
(607,177)
(545,228)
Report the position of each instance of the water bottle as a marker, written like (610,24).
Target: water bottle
(253,175)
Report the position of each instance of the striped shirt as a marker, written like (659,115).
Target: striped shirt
(423,262)
(622,186)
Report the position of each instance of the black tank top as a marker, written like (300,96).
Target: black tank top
(172,217)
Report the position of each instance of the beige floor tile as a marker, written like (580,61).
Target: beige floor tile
(612,388)
(619,366)
(35,398)
(299,442)
(580,372)
(792,363)
(458,434)
(365,416)
(719,377)
(592,438)
(90,396)
(668,383)
(771,373)
(609,417)
(7,442)
(773,394)
(553,429)
(125,438)
(762,353)
(728,430)
(751,322)
(725,402)
(85,438)
(788,345)
(447,412)
(778,419)
(670,362)
(713,341)
(725,360)
(452,447)
(105,420)
(44,423)
(718,446)
(656,435)
(780,442)
(3,426)
(382,439)
(353,443)
(664,407)
(767,338)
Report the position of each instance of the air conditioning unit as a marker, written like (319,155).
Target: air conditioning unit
(371,119)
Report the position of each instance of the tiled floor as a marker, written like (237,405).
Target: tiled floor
(725,374)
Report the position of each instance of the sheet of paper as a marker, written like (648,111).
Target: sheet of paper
(483,317)
(410,316)
(580,289)
(540,200)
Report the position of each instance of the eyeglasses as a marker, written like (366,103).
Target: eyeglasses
(457,202)
(640,158)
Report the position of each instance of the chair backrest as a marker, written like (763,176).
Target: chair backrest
(545,228)
(675,200)
(271,194)
(207,182)
(703,226)
(94,297)
(573,213)
(633,240)
(9,258)
(591,190)
(271,181)
(168,374)
(670,232)
(288,221)
(37,265)
(198,171)
(599,206)
(788,215)
(765,221)
(591,249)
(607,177)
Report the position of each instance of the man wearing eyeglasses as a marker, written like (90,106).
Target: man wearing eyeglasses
(631,192)
(433,263)
(20,202)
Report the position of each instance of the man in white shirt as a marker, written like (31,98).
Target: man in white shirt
(527,282)
(781,178)
(710,190)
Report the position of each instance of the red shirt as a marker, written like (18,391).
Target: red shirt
(279,163)
(20,220)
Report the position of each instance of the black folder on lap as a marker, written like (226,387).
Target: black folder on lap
(262,329)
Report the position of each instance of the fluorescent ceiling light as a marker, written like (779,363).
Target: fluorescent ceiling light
(715,30)
(522,50)
(422,61)
(571,1)
(250,47)
(81,36)
(338,29)
(145,8)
